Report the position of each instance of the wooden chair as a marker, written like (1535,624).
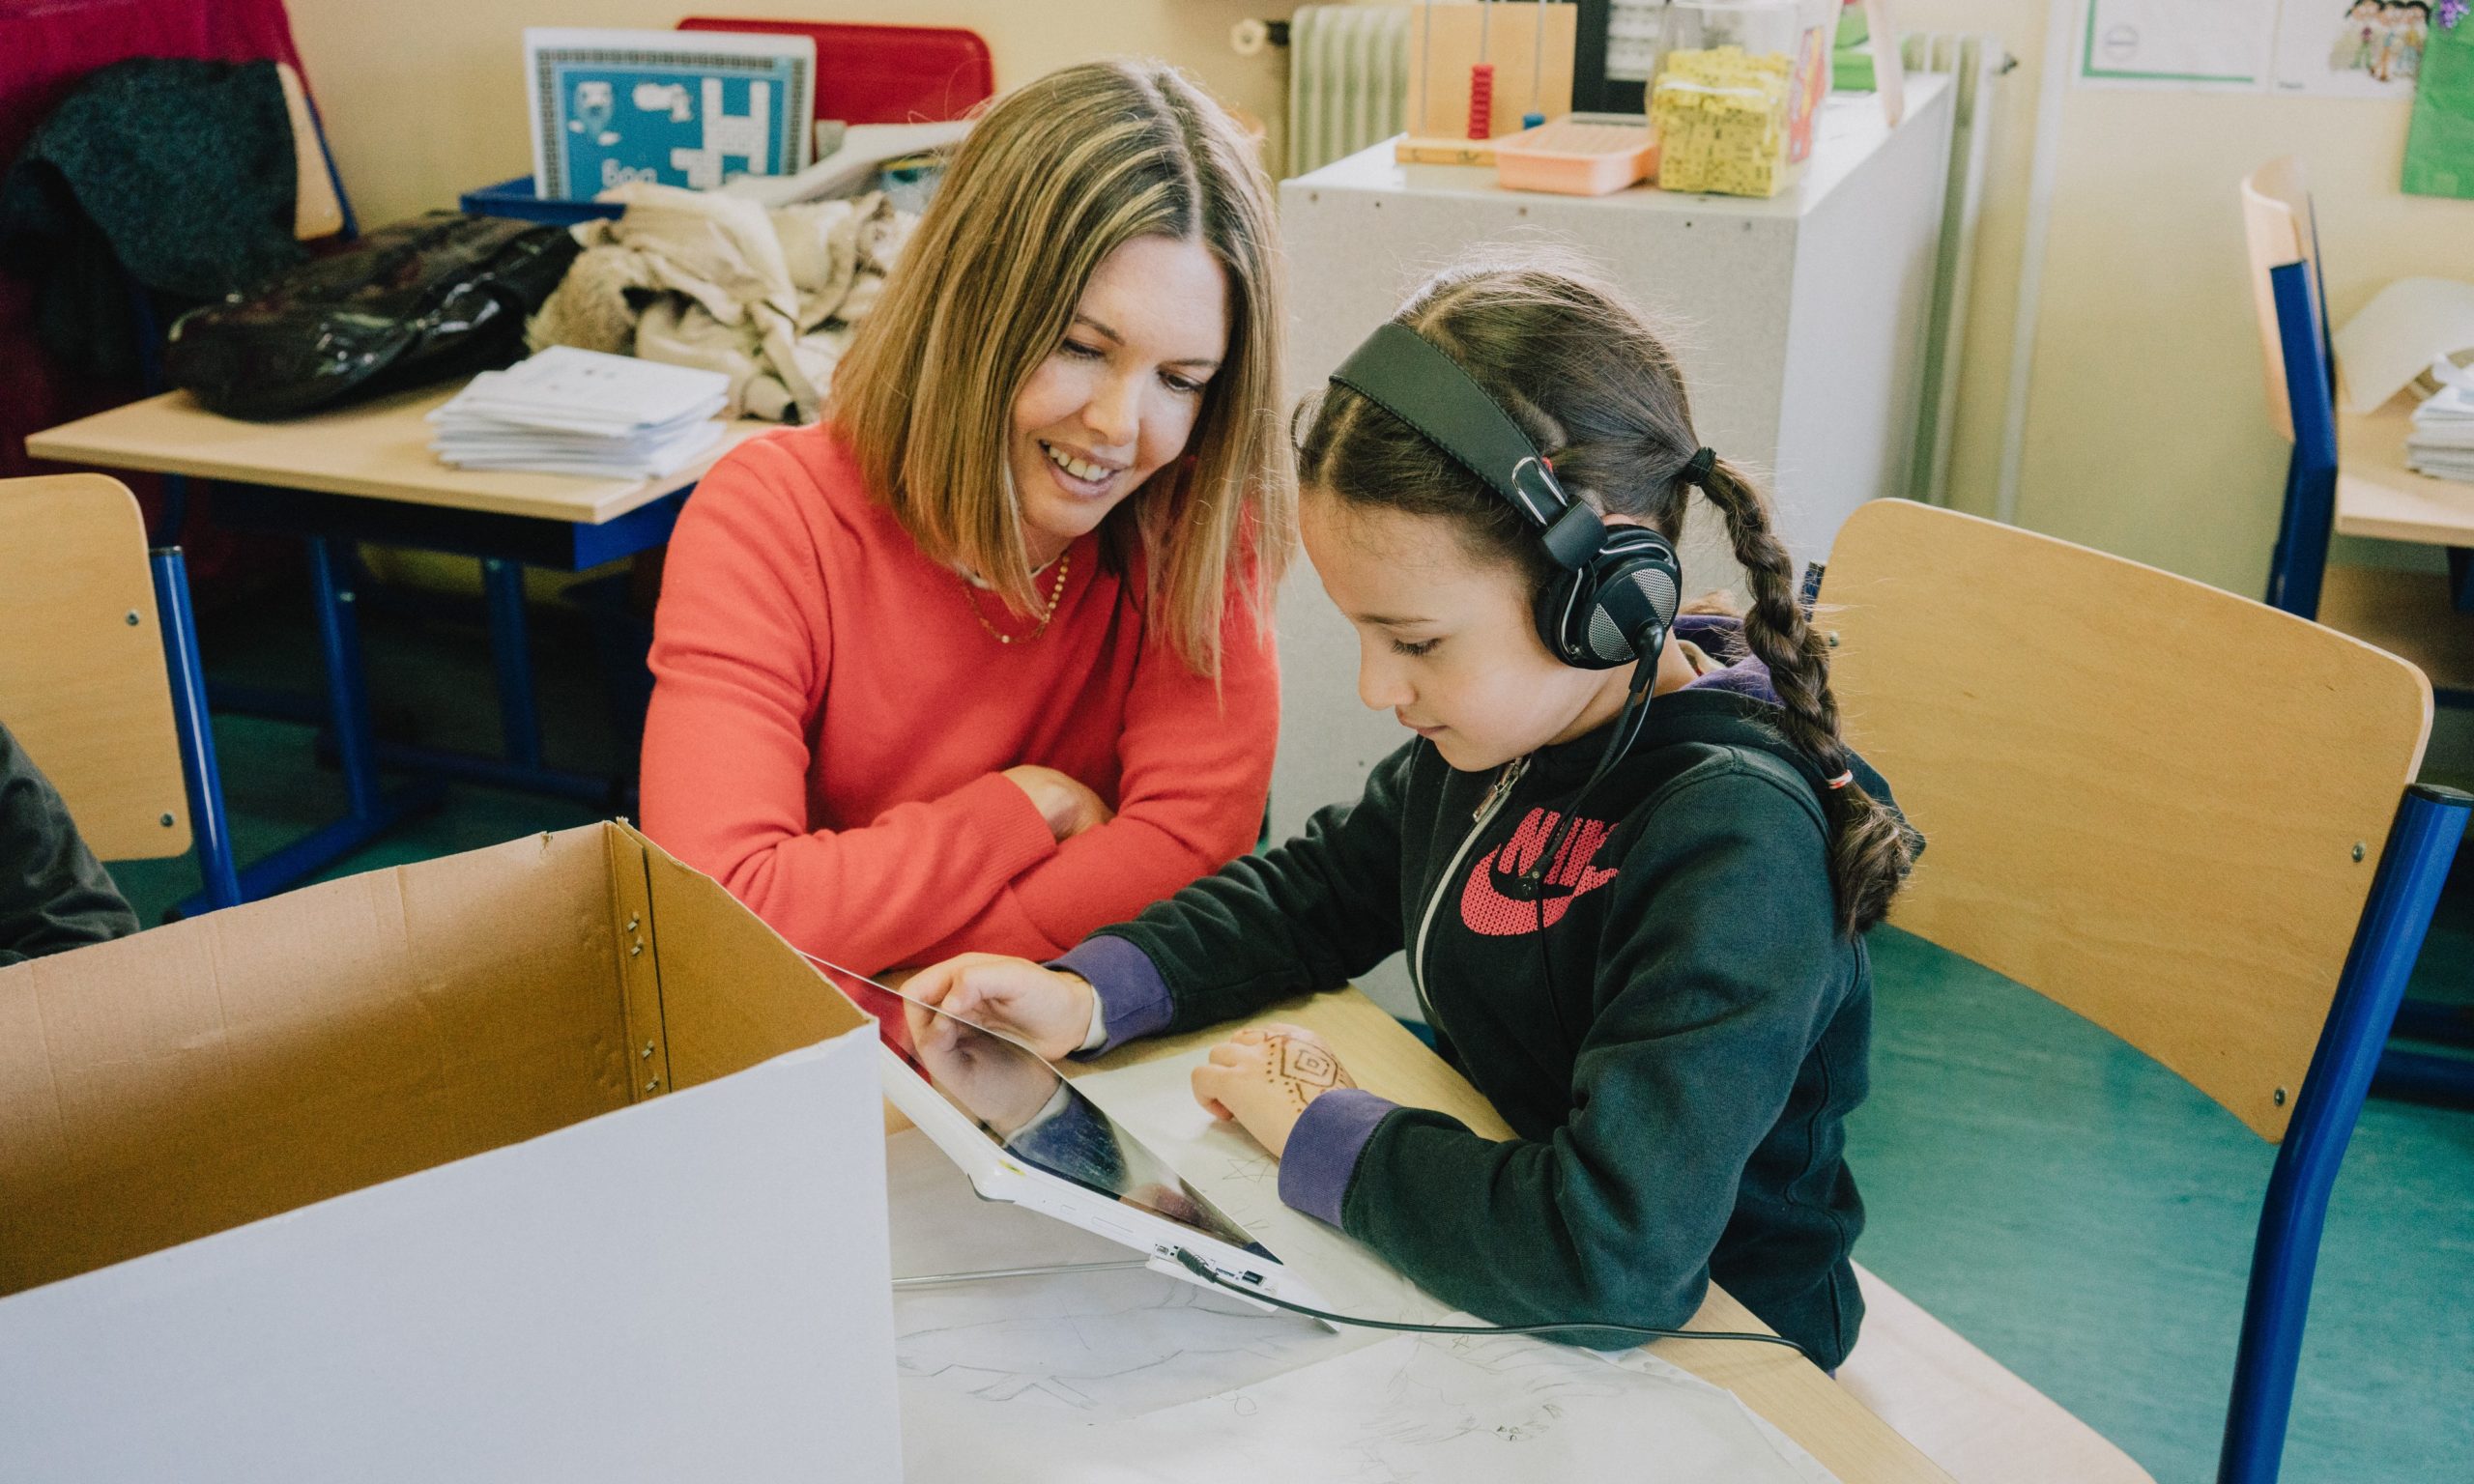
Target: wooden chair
(99,674)
(2225,861)
(2368,492)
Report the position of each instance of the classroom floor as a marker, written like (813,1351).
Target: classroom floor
(2077,1211)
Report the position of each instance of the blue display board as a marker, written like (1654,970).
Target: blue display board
(688,109)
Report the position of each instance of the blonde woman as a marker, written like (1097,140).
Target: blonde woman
(982,661)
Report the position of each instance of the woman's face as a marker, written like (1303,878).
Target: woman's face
(1445,639)
(1119,396)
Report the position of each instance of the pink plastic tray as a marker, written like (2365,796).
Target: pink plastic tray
(1578,155)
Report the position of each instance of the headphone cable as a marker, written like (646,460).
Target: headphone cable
(1627,730)
(1533,880)
(1204,1271)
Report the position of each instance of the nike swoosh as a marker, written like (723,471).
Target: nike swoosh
(1487,910)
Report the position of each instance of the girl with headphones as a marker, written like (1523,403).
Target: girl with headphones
(982,661)
(1628,855)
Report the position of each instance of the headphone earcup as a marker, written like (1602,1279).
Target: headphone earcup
(1632,580)
(1558,604)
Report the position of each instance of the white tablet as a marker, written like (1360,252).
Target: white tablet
(1022,1133)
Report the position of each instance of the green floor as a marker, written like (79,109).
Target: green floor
(2077,1211)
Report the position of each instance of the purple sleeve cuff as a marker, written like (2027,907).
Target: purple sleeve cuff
(1134,999)
(1323,1149)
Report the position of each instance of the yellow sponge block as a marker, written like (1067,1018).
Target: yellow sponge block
(1721,115)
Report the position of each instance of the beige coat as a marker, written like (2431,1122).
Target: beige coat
(698,279)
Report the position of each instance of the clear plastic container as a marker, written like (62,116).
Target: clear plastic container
(1739,84)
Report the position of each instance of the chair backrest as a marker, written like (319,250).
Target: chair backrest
(884,74)
(83,685)
(2278,226)
(2152,801)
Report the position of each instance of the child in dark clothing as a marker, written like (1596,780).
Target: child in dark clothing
(1671,1012)
(54,895)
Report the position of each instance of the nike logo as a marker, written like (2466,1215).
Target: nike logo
(1489,909)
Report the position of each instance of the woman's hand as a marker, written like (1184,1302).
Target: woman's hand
(1264,1077)
(1049,1010)
(1068,806)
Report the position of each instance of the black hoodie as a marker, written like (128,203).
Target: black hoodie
(1676,1051)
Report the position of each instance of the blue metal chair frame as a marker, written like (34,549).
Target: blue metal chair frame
(2294,577)
(2421,845)
(2309,520)
(211,833)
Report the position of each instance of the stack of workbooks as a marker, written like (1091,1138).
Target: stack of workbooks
(2441,442)
(570,412)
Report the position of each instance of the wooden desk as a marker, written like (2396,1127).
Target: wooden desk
(2421,616)
(376,451)
(2378,495)
(366,473)
(1779,1385)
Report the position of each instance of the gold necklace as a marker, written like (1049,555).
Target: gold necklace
(1063,563)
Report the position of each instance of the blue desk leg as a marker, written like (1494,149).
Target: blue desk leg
(372,811)
(511,652)
(347,683)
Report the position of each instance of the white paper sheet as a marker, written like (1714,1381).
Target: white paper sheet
(2335,48)
(1075,1346)
(1430,1408)
(1110,1377)
(2391,340)
(2177,43)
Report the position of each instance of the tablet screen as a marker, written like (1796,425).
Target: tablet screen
(1024,1105)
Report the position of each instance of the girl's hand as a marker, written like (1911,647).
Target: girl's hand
(1065,802)
(1049,1010)
(1264,1077)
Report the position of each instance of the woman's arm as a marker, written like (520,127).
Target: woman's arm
(1194,767)
(1306,915)
(742,652)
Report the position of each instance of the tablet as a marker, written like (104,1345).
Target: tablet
(1019,1131)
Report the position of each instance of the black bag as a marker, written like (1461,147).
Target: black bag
(439,295)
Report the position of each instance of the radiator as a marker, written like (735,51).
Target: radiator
(1348,81)
(1976,64)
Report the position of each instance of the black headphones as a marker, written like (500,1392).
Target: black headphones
(1619,586)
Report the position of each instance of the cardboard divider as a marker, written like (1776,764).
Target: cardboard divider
(215,1072)
(733,992)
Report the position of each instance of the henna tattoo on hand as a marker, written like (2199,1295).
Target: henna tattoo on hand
(1303,1070)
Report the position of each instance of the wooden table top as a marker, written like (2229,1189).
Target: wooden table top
(1779,1385)
(2378,495)
(377,450)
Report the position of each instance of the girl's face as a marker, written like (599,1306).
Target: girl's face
(1445,639)
(1121,394)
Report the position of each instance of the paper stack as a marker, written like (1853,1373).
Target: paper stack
(570,412)
(2441,442)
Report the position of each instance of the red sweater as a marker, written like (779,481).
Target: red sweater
(829,723)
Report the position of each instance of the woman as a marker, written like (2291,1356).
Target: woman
(982,661)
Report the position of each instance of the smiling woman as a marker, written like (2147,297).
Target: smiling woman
(983,660)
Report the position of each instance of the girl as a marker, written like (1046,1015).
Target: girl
(1673,1013)
(981,662)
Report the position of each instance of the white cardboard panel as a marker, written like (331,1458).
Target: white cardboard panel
(695,1287)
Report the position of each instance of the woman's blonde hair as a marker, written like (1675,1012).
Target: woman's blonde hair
(1054,178)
